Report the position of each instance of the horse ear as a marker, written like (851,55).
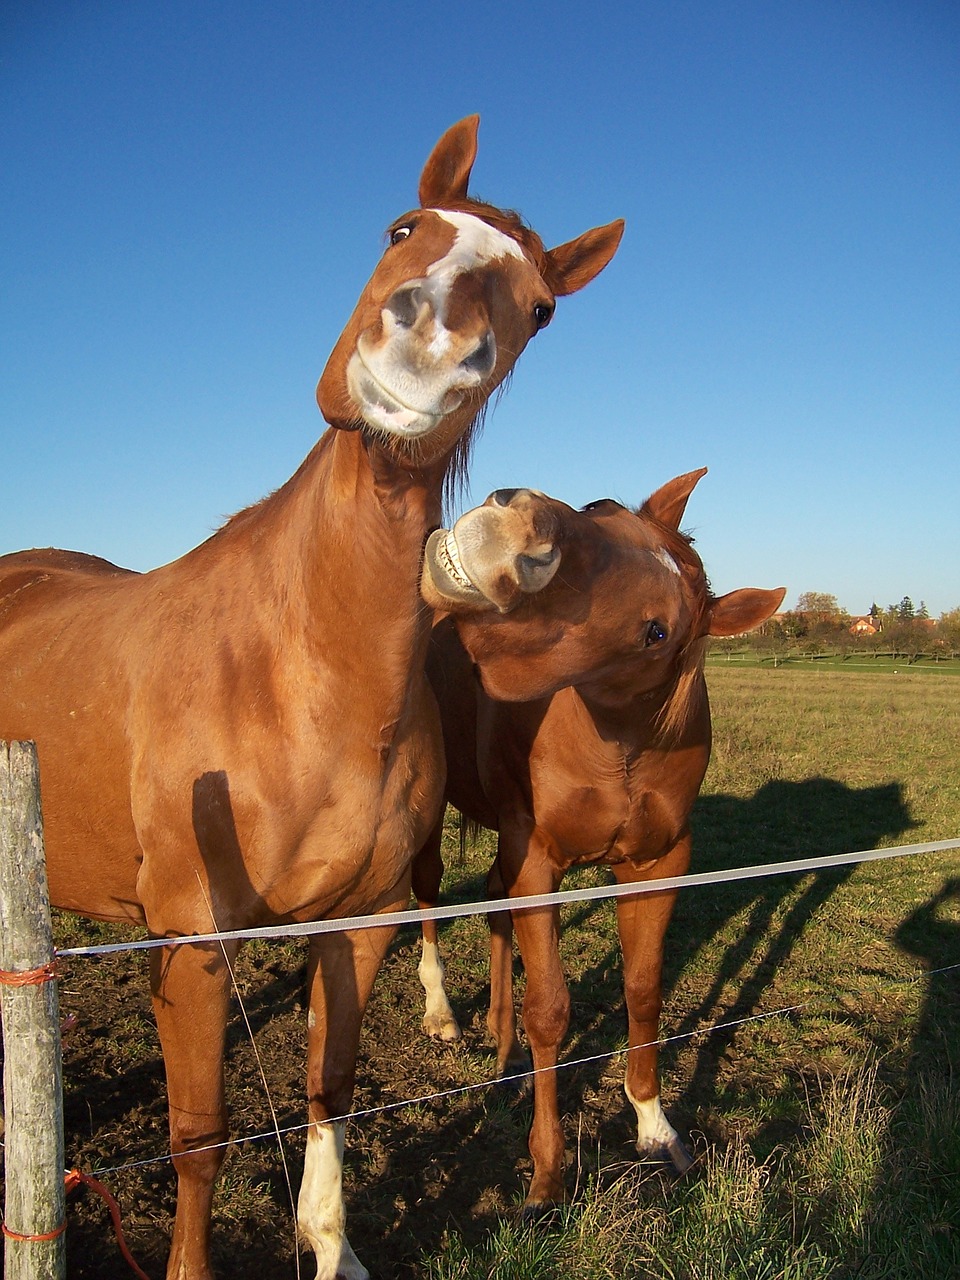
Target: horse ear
(572,265)
(740,611)
(670,501)
(447,171)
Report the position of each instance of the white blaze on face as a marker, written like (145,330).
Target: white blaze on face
(320,1212)
(407,379)
(475,244)
(667,560)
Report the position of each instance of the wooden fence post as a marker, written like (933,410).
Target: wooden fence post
(32,1079)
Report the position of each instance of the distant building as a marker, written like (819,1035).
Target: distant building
(865,625)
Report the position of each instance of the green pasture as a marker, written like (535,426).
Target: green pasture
(852,660)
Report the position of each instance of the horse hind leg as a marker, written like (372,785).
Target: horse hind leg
(512,1058)
(439,1020)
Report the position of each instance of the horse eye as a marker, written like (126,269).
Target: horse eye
(400,233)
(655,633)
(542,314)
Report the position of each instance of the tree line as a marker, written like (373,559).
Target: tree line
(817,624)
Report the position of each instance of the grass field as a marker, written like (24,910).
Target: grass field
(827,1136)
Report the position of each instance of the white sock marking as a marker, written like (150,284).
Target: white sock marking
(438,1018)
(654,1130)
(320,1212)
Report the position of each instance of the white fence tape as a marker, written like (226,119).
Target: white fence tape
(338,925)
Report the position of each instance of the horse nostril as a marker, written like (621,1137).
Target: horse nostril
(503,497)
(483,357)
(404,304)
(530,563)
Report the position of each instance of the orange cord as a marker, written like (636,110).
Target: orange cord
(29,977)
(73,1179)
(49,1235)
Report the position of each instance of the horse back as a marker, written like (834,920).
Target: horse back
(50,569)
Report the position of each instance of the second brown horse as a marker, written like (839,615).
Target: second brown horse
(587,743)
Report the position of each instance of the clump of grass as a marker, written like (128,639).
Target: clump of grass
(845,1159)
(514,1251)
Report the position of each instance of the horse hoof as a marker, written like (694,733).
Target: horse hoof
(679,1156)
(446,1029)
(672,1153)
(545,1213)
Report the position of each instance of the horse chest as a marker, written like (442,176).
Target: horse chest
(600,810)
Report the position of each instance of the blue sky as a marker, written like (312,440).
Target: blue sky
(195,193)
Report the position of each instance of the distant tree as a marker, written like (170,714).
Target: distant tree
(874,611)
(794,624)
(770,640)
(905,609)
(948,631)
(876,643)
(818,604)
(923,611)
(727,645)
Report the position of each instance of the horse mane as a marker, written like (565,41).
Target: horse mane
(686,698)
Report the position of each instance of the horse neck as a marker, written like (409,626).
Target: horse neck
(631,726)
(335,553)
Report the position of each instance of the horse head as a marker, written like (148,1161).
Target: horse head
(461,288)
(613,601)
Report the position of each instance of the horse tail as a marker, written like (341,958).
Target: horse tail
(467,828)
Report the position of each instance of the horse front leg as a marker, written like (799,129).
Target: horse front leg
(642,923)
(439,1020)
(502,1014)
(341,972)
(528,869)
(191,994)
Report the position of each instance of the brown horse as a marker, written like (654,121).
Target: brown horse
(587,743)
(246,736)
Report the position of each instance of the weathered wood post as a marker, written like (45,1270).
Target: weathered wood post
(32,1079)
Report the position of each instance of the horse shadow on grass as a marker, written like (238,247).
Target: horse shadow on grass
(930,935)
(782,821)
